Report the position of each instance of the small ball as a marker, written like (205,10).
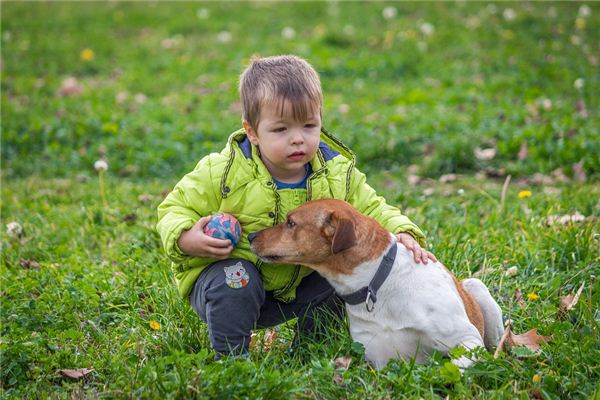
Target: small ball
(224,226)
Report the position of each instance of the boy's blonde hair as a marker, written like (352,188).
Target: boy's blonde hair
(277,81)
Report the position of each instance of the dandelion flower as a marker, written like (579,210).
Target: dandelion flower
(536,378)
(154,325)
(523,194)
(533,296)
(87,55)
(14,229)
(579,82)
(100,165)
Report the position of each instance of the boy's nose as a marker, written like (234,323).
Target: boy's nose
(251,236)
(297,137)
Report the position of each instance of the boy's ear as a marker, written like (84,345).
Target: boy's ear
(250,132)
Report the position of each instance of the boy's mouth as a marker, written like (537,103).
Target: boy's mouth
(298,155)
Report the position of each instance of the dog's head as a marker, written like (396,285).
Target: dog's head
(311,235)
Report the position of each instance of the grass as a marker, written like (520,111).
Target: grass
(81,287)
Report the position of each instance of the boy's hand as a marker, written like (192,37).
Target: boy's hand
(420,254)
(194,242)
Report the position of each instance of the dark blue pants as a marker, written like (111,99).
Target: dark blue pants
(229,296)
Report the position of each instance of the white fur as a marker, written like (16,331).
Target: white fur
(418,310)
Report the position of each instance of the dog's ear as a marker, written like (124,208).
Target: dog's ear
(343,236)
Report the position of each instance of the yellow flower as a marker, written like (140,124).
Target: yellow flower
(523,194)
(87,54)
(536,378)
(154,325)
(532,296)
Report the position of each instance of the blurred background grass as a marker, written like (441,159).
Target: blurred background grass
(155,84)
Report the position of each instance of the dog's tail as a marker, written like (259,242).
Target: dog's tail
(492,314)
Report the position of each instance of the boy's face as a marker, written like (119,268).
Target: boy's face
(285,144)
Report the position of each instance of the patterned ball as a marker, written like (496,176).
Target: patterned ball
(224,226)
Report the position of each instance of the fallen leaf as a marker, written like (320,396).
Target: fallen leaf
(485,154)
(565,219)
(269,338)
(29,264)
(448,178)
(569,301)
(530,339)
(579,172)
(519,298)
(343,362)
(413,180)
(75,373)
(70,87)
(523,151)
(581,109)
(338,379)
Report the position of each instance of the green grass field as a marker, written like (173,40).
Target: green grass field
(441,102)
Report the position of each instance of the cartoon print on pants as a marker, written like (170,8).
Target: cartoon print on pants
(236,276)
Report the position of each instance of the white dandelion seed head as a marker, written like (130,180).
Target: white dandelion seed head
(585,11)
(140,98)
(427,29)
(389,12)
(14,229)
(509,14)
(288,33)
(100,165)
(202,13)
(224,37)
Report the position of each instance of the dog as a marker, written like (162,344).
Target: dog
(396,307)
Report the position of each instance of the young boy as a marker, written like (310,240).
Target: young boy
(280,159)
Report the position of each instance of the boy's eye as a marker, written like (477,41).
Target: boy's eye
(279,129)
(310,126)
(290,223)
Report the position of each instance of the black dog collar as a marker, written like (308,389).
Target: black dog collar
(368,294)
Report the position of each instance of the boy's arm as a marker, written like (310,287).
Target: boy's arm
(192,198)
(364,198)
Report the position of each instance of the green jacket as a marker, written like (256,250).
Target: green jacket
(236,181)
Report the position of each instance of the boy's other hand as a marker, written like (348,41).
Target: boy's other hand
(419,253)
(194,242)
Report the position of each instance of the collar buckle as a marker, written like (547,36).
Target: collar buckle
(370,300)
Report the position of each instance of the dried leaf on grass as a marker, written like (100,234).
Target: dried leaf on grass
(519,298)
(565,219)
(485,154)
(569,301)
(266,342)
(75,373)
(341,363)
(29,264)
(530,339)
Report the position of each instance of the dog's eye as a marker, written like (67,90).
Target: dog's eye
(290,223)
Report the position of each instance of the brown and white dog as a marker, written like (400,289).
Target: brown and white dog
(408,310)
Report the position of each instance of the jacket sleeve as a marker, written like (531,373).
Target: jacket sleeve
(364,198)
(193,197)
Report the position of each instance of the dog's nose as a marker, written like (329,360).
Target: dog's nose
(251,236)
